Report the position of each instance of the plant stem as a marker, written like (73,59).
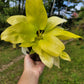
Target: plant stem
(39,33)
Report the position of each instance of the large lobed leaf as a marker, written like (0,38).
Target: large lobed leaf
(36,13)
(19,33)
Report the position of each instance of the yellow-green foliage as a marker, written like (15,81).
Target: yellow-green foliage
(41,33)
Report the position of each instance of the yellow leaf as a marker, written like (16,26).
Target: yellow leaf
(45,58)
(51,45)
(57,61)
(53,22)
(16,19)
(26,44)
(66,35)
(65,56)
(36,48)
(62,34)
(19,33)
(36,13)
(55,32)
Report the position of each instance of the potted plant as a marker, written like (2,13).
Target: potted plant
(39,32)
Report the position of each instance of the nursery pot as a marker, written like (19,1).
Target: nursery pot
(33,56)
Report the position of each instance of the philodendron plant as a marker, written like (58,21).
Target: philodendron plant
(39,32)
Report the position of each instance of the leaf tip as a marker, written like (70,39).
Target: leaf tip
(69,60)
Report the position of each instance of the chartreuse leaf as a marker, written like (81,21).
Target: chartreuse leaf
(68,35)
(45,57)
(26,44)
(65,56)
(57,61)
(36,48)
(53,22)
(16,19)
(62,34)
(19,33)
(36,13)
(55,32)
(51,45)
(64,37)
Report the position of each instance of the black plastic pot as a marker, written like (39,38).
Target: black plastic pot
(34,56)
